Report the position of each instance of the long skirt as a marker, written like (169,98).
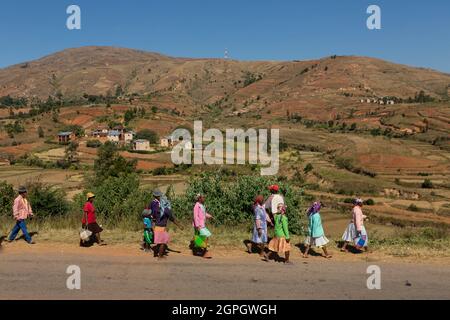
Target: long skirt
(316,242)
(279,245)
(257,239)
(350,235)
(200,238)
(93,227)
(161,235)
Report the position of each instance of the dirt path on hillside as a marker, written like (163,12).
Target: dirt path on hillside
(123,272)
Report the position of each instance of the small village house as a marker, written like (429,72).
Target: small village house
(4,161)
(129,136)
(114,136)
(100,133)
(167,142)
(141,145)
(66,137)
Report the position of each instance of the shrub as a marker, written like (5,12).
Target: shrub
(230,201)
(118,199)
(344,163)
(308,168)
(413,207)
(7,195)
(369,202)
(47,201)
(93,144)
(427,184)
(160,171)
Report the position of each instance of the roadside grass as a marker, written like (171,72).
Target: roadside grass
(425,242)
(414,242)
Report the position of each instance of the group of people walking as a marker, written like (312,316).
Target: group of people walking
(273,212)
(270,212)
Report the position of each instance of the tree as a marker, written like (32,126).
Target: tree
(119,91)
(149,135)
(110,163)
(40,132)
(71,153)
(7,195)
(309,167)
(427,184)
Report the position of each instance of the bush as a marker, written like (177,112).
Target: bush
(412,207)
(369,202)
(118,199)
(344,163)
(47,201)
(7,195)
(93,144)
(427,184)
(308,168)
(230,201)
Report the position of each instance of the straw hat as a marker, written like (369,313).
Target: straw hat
(90,195)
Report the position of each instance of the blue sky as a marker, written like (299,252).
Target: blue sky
(413,32)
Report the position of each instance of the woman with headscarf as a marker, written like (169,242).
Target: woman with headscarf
(201,233)
(356,232)
(280,244)
(274,200)
(89,222)
(260,227)
(161,214)
(316,235)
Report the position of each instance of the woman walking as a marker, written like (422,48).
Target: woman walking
(89,222)
(316,235)
(201,233)
(280,244)
(356,232)
(161,213)
(260,227)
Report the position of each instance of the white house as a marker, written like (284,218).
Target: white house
(167,142)
(141,145)
(129,136)
(114,136)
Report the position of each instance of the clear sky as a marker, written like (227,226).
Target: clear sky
(413,32)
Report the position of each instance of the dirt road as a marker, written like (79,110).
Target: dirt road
(121,272)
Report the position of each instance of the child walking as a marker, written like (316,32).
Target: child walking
(148,230)
(316,235)
(280,244)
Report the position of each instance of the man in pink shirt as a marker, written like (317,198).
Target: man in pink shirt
(21,211)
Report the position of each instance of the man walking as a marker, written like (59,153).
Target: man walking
(21,211)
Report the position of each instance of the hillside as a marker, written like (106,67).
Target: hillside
(189,83)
